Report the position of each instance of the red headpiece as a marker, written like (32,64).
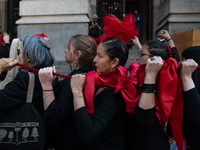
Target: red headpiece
(1,39)
(42,35)
(113,27)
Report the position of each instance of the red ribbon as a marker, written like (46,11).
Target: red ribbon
(36,70)
(169,51)
(42,35)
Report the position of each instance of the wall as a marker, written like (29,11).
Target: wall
(58,19)
(176,15)
(3,15)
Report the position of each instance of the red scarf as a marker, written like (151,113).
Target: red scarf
(117,79)
(169,103)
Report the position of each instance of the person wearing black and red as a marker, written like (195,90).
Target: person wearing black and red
(4,50)
(190,77)
(58,102)
(103,130)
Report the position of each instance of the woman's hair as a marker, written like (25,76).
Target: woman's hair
(158,48)
(38,51)
(87,46)
(193,53)
(116,48)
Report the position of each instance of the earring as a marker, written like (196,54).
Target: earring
(111,69)
(76,66)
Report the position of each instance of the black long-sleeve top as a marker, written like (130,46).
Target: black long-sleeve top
(14,94)
(148,132)
(191,118)
(104,129)
(59,115)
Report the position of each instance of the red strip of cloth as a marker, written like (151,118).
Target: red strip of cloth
(122,79)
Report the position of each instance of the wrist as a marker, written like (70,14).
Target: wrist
(186,77)
(148,88)
(150,79)
(47,87)
(169,39)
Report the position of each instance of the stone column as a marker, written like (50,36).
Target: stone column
(178,15)
(59,19)
(3,15)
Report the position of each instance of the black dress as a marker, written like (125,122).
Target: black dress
(104,129)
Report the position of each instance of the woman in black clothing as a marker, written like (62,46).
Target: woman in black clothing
(103,130)
(190,77)
(59,107)
(34,52)
(147,132)
(4,50)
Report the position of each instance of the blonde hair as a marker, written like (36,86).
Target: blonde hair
(87,46)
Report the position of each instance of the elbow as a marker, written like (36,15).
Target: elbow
(88,136)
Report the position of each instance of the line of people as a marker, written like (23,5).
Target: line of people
(64,104)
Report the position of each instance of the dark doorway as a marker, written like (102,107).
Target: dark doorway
(13,16)
(116,7)
(119,7)
(145,8)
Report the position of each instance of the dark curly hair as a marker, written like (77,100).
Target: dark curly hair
(116,48)
(158,48)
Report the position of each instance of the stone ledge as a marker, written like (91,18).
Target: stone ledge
(59,7)
(54,19)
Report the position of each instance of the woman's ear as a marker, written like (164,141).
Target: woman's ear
(29,63)
(78,54)
(115,63)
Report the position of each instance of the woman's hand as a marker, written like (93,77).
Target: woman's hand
(77,83)
(46,77)
(7,64)
(153,66)
(164,34)
(6,38)
(136,42)
(188,66)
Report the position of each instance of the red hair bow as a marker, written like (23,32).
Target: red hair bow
(169,51)
(42,35)
(1,39)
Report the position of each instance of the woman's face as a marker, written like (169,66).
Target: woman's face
(102,60)
(143,55)
(20,56)
(69,54)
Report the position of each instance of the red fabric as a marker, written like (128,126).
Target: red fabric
(169,51)
(1,39)
(117,79)
(171,99)
(169,103)
(36,70)
(42,35)
(113,27)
